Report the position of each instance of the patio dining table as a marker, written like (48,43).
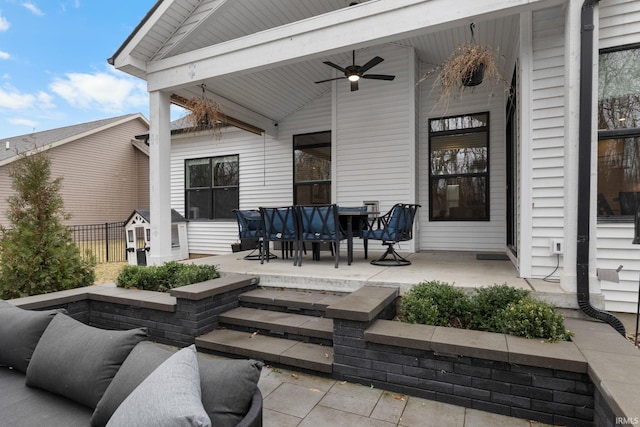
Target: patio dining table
(360,215)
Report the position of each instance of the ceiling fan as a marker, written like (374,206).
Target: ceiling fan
(356,72)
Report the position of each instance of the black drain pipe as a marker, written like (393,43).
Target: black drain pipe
(584,168)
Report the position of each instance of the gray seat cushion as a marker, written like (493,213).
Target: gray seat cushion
(22,406)
(168,397)
(79,361)
(20,331)
(227,385)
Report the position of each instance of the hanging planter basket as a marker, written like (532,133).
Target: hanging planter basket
(475,77)
(468,66)
(204,114)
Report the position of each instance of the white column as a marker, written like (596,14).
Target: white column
(159,177)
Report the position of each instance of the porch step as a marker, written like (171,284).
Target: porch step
(276,322)
(310,303)
(271,349)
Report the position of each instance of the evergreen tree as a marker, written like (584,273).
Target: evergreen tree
(37,253)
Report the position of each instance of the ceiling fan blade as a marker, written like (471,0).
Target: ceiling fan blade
(354,86)
(330,80)
(378,77)
(337,67)
(372,63)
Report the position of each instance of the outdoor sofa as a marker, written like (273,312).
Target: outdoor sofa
(57,371)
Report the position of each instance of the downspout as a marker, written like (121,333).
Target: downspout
(584,168)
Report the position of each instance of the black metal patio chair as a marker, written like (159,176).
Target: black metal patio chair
(280,225)
(393,227)
(319,224)
(250,227)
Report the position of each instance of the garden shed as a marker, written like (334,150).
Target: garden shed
(138,230)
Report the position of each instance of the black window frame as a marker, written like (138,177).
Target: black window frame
(609,134)
(486,174)
(326,184)
(215,214)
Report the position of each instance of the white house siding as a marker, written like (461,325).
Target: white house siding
(466,235)
(619,25)
(266,170)
(547,137)
(375,137)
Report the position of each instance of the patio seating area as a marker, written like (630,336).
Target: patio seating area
(293,227)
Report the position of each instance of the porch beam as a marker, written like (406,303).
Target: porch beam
(326,34)
(237,115)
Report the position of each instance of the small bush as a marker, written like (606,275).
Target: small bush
(486,303)
(435,303)
(499,308)
(531,318)
(164,277)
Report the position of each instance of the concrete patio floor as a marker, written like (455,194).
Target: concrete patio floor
(460,269)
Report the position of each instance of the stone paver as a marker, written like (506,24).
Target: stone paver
(390,407)
(321,416)
(428,413)
(299,399)
(350,404)
(475,418)
(293,400)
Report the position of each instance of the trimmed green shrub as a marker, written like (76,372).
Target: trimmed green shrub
(499,308)
(164,277)
(531,318)
(487,302)
(435,303)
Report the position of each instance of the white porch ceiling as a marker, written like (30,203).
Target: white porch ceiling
(276,93)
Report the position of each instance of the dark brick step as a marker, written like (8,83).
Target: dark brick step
(269,349)
(279,323)
(297,301)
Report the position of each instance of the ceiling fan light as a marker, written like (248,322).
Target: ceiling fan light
(354,77)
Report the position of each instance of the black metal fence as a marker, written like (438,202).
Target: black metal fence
(106,242)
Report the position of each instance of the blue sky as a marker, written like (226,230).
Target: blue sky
(53,63)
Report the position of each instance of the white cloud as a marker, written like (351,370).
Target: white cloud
(14,100)
(33,8)
(11,99)
(23,122)
(4,24)
(4,55)
(112,91)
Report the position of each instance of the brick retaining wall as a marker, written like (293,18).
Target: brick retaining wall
(546,395)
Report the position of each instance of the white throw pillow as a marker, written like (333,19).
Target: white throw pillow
(170,396)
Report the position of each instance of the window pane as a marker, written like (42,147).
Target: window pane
(312,168)
(469,121)
(224,201)
(618,176)
(225,171)
(197,173)
(313,194)
(459,198)
(198,204)
(619,89)
(459,162)
(459,154)
(313,164)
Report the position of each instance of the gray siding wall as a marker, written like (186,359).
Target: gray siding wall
(100,175)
